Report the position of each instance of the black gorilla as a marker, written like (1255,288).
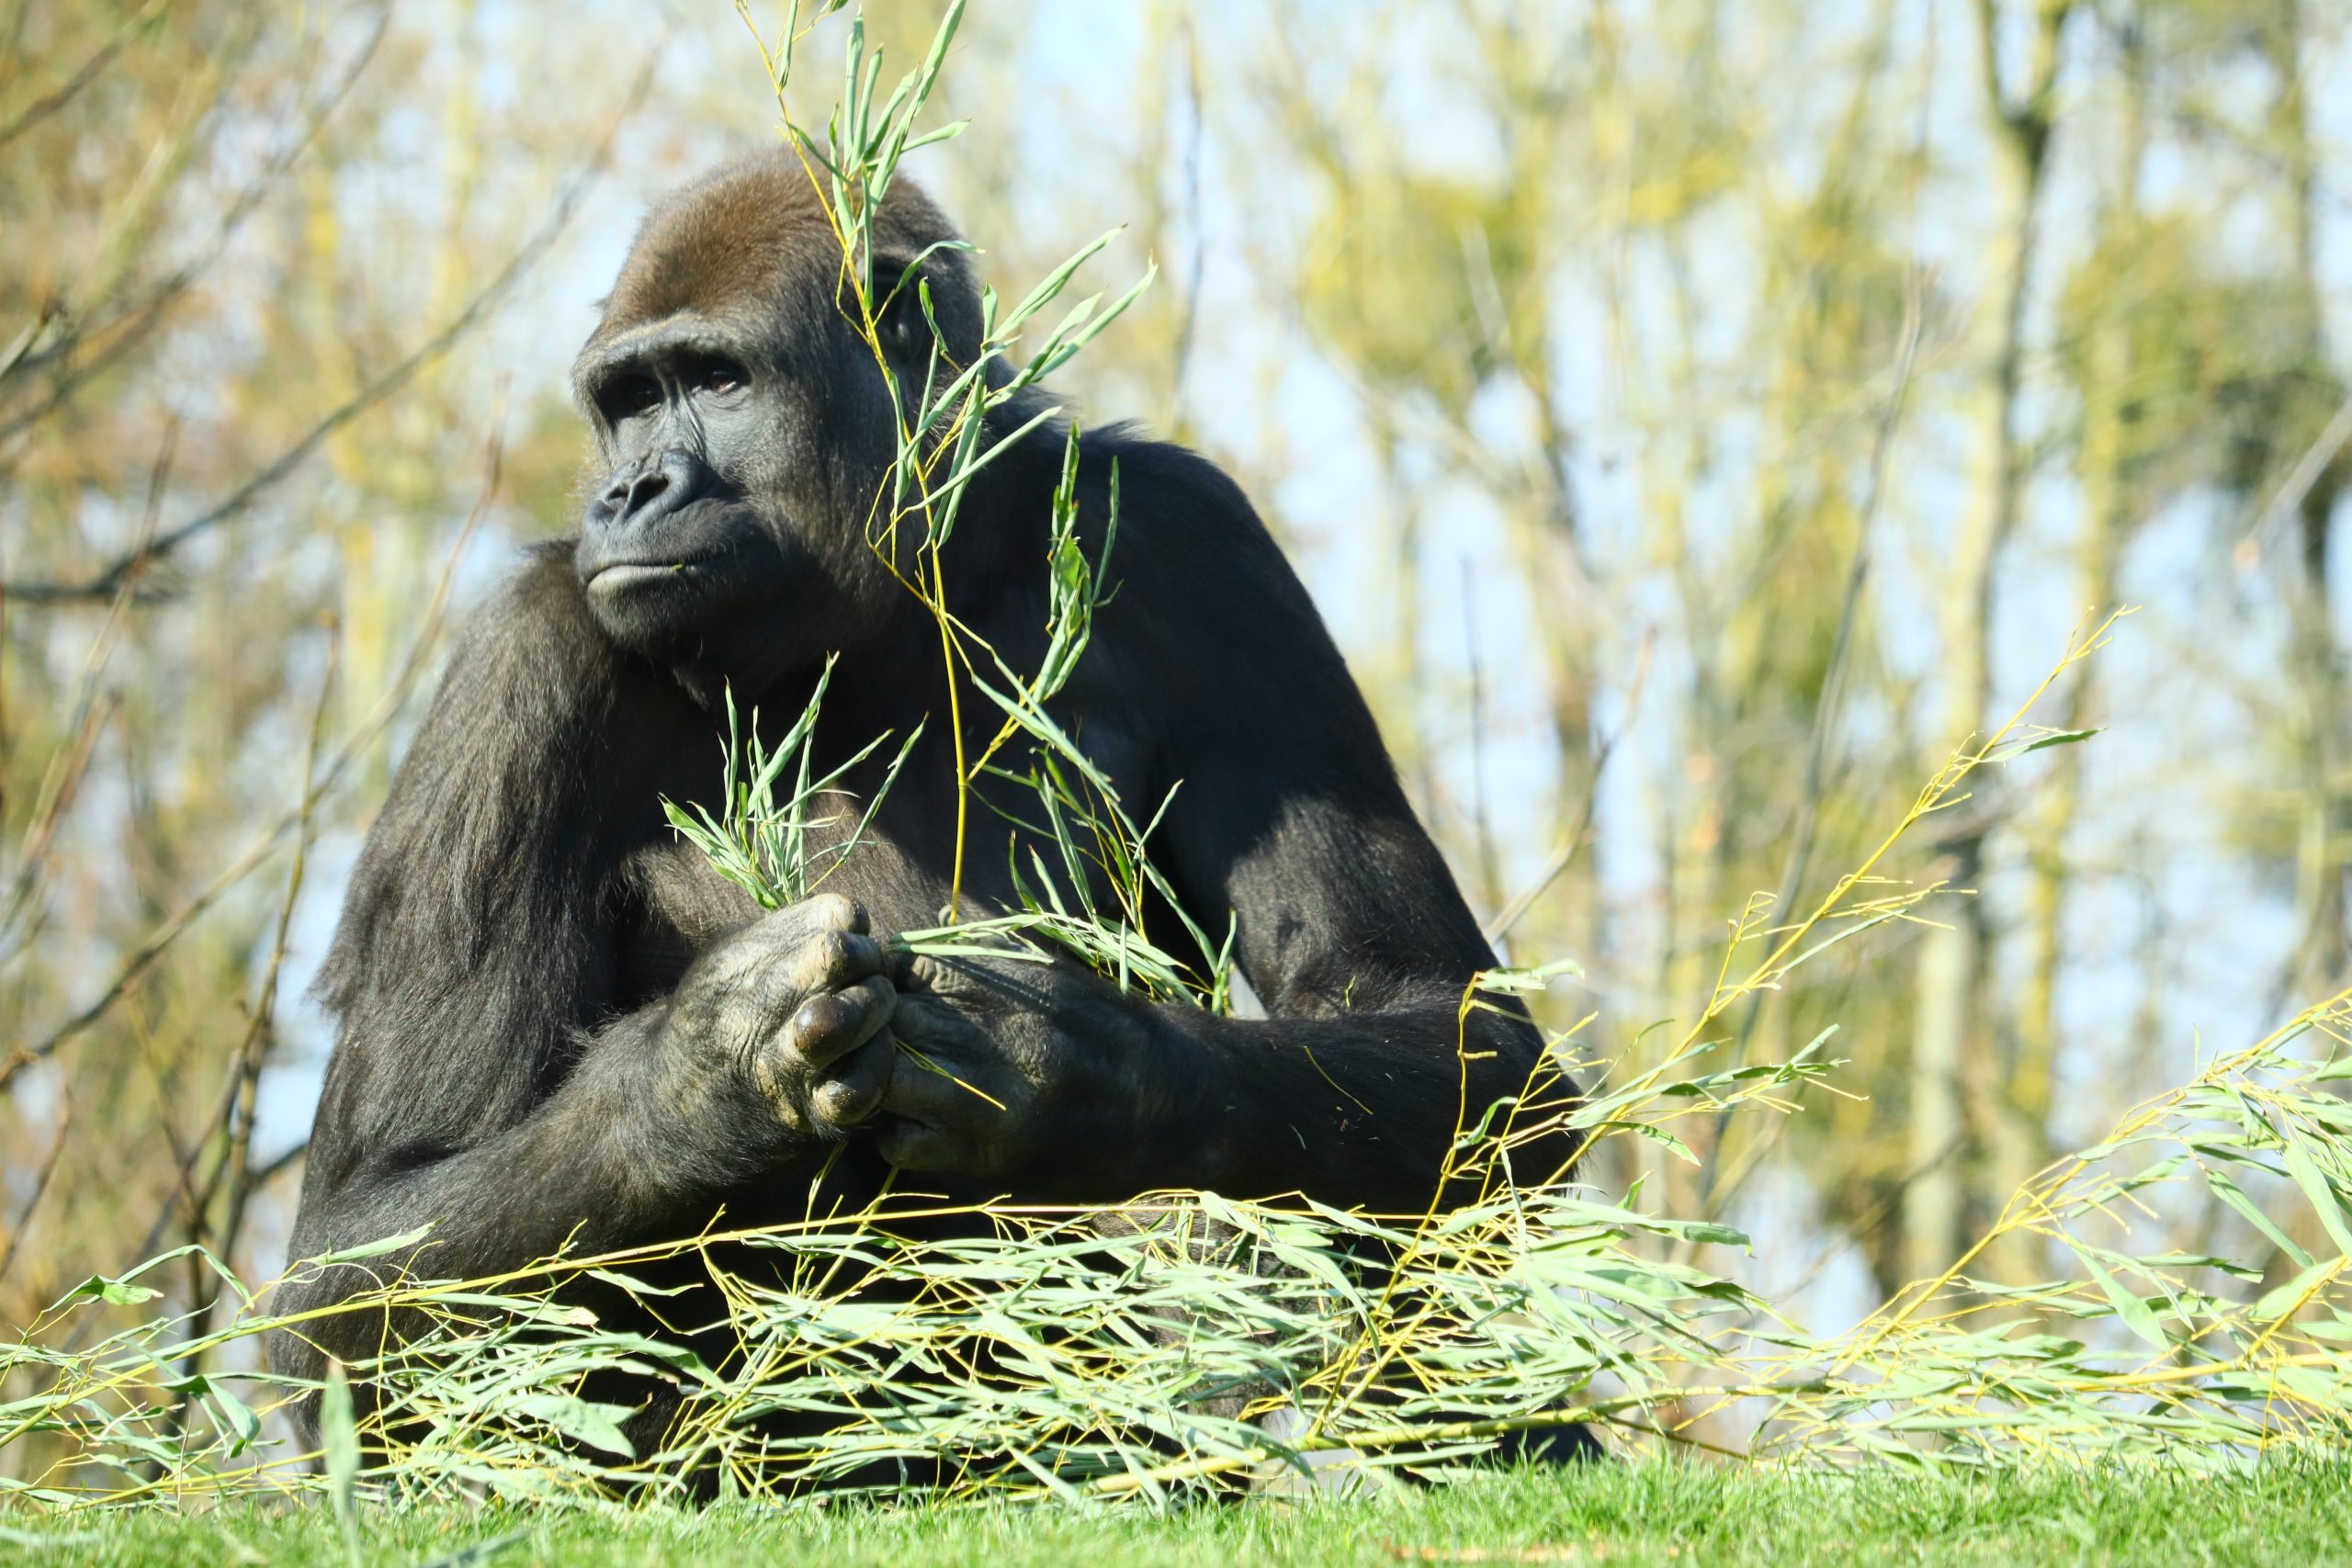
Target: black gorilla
(559,1025)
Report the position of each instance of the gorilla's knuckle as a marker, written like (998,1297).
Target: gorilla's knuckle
(828,1108)
(844,956)
(953,978)
(813,1018)
(845,1101)
(835,911)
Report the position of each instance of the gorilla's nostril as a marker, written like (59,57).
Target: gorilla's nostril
(616,503)
(645,493)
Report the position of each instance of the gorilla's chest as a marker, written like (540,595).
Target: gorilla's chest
(670,903)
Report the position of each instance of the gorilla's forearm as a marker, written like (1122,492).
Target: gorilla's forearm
(633,1147)
(1353,1109)
(1053,1082)
(1067,1090)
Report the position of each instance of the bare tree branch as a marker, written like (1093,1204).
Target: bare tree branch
(138,960)
(103,583)
(40,108)
(130,320)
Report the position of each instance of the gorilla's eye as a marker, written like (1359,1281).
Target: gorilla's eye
(718,375)
(628,396)
(902,323)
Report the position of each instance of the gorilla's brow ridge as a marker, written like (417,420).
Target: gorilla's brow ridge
(633,347)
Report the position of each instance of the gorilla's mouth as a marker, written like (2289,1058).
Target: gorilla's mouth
(706,547)
(697,558)
(623,576)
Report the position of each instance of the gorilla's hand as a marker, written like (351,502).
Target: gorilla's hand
(1045,1076)
(789,1014)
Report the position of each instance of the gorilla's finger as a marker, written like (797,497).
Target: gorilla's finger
(810,921)
(816,945)
(826,1028)
(853,1091)
(833,959)
(922,972)
(935,1086)
(835,911)
(961,978)
(931,1026)
(914,1145)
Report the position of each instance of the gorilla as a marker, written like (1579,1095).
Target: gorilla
(560,1027)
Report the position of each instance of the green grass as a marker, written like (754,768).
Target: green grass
(2294,1511)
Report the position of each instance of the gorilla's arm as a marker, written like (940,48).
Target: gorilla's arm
(1287,813)
(482,1082)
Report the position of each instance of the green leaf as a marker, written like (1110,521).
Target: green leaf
(2324,1201)
(2135,1313)
(2277,1304)
(1659,1135)
(1705,1230)
(339,1453)
(235,1416)
(377,1249)
(2230,1192)
(595,1425)
(2043,743)
(120,1292)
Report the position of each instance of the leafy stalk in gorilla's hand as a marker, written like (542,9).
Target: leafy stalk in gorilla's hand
(761,844)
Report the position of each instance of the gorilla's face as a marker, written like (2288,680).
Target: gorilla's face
(742,526)
(673,542)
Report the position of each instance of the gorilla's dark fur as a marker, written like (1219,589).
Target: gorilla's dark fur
(557,1023)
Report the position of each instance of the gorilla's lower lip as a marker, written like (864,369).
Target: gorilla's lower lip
(626,575)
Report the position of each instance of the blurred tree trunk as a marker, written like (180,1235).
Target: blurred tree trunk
(2321,841)
(2021,1141)
(1951,1063)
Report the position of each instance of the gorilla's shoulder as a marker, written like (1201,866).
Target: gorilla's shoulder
(1160,476)
(536,612)
(1190,542)
(542,584)
(1179,510)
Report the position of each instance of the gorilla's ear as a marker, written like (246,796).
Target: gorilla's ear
(925,295)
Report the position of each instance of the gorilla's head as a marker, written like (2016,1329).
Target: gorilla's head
(743,424)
